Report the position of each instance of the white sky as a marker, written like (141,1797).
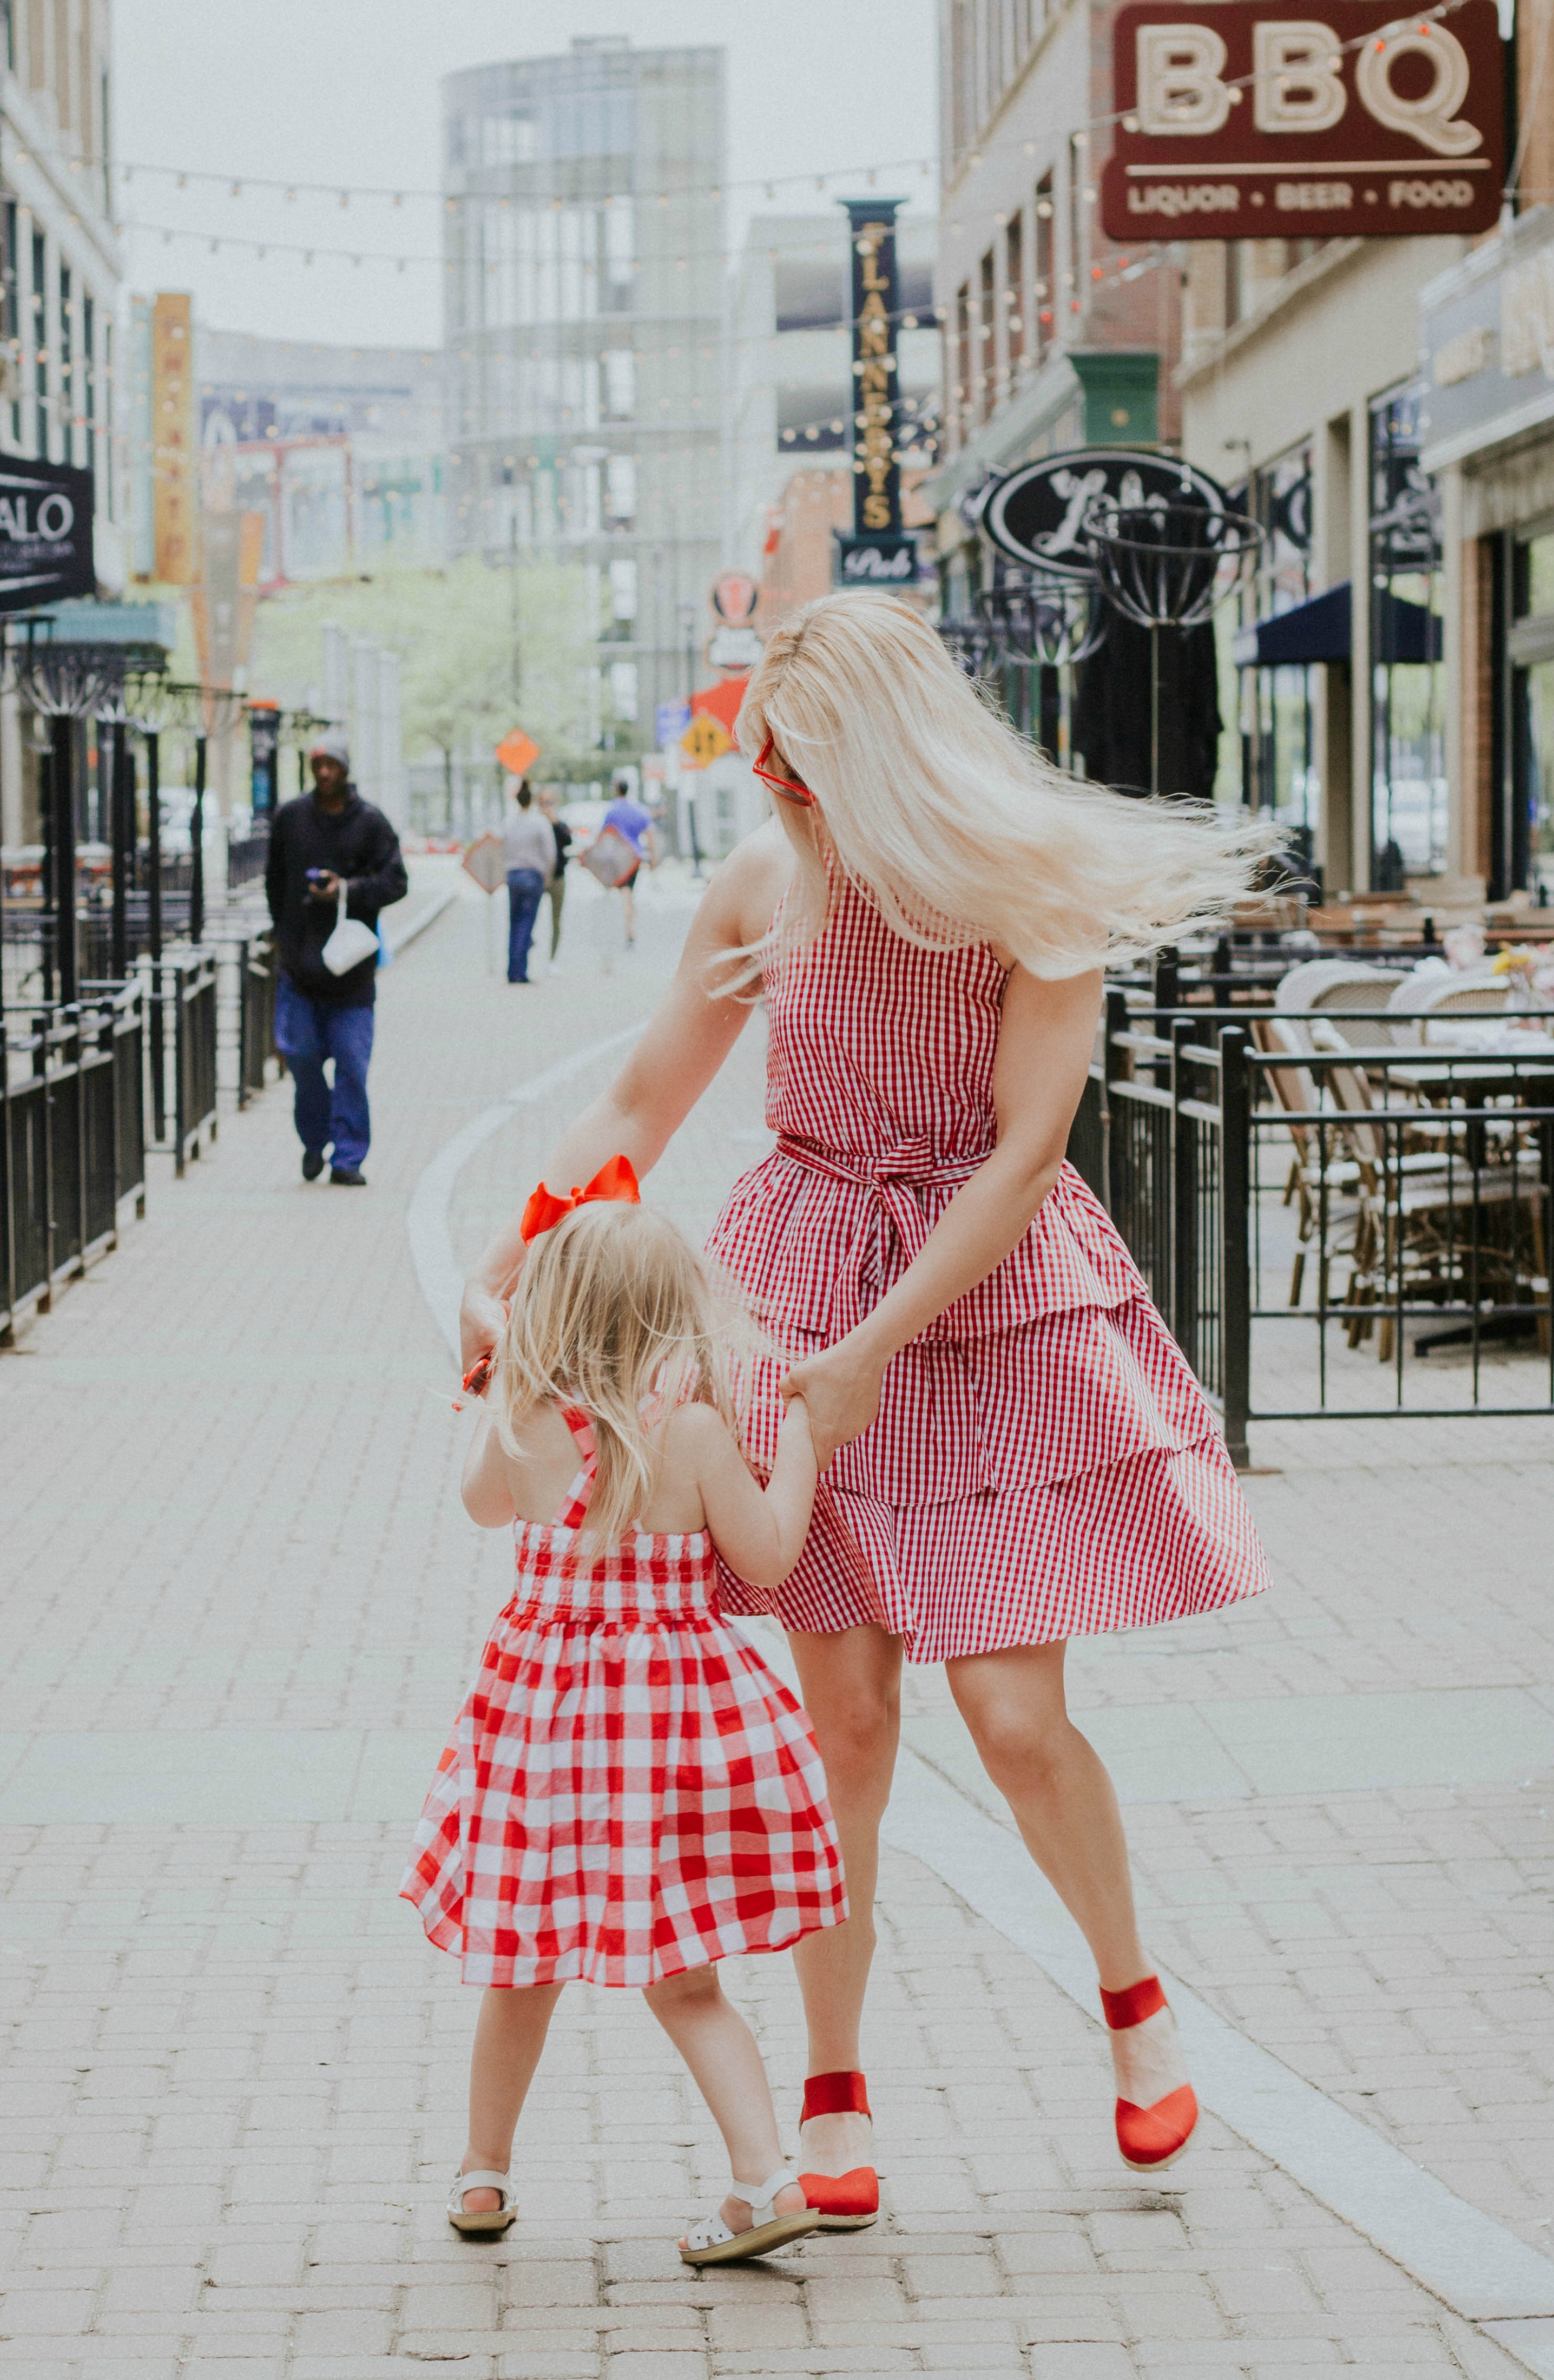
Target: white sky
(347,91)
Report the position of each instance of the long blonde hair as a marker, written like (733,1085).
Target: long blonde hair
(953,825)
(613,1313)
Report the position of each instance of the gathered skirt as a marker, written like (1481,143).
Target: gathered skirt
(1044,1463)
(629,1791)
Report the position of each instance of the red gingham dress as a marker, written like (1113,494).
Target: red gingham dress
(1044,1463)
(629,1791)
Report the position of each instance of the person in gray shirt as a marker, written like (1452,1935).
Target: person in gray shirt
(530,849)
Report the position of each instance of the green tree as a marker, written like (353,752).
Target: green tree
(462,684)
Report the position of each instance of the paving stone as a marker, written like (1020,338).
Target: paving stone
(234,2071)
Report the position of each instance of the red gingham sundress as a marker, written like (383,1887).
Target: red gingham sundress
(1044,1463)
(629,1791)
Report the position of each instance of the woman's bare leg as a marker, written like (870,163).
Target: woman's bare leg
(509,2036)
(1065,1806)
(851,1683)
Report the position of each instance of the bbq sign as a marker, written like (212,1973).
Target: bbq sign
(45,533)
(1237,120)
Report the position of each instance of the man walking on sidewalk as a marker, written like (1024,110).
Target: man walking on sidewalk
(530,847)
(317,843)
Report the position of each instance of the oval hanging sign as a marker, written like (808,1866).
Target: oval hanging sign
(1036,516)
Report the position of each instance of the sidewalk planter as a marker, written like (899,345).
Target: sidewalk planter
(73,1116)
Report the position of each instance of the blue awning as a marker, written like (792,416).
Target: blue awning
(1320,631)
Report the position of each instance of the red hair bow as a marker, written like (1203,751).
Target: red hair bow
(615,1180)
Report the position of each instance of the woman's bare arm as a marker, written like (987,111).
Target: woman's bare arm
(685,1043)
(1045,1043)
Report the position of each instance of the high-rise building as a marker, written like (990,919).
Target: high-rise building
(584,330)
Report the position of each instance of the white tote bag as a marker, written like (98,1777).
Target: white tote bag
(351,942)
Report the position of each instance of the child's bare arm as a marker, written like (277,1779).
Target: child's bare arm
(488,1497)
(759,1533)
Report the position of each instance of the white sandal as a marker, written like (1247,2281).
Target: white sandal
(478,2227)
(713,2244)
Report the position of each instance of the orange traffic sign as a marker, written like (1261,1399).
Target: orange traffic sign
(705,740)
(517,752)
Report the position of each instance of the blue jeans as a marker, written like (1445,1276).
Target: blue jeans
(524,886)
(307,1033)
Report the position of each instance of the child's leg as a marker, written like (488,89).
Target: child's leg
(509,2035)
(720,2049)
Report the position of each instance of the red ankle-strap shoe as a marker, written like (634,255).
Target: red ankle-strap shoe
(1149,2138)
(845,2201)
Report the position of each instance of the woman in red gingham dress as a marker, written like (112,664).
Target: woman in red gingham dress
(1019,1452)
(630,1794)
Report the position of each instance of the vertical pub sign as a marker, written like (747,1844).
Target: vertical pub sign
(879,553)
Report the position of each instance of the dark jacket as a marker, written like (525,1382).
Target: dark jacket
(358,844)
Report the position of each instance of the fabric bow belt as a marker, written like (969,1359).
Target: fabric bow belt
(895,1180)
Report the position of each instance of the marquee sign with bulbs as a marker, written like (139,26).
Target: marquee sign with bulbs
(1245,121)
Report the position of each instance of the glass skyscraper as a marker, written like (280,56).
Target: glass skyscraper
(583,312)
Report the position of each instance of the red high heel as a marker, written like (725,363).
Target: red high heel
(1149,2138)
(845,2201)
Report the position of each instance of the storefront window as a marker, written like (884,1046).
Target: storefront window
(1532,709)
(1408,745)
(1277,740)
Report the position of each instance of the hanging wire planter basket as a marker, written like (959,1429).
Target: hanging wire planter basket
(1169,565)
(68,681)
(1050,620)
(972,645)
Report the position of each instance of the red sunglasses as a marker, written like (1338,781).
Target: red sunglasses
(787,786)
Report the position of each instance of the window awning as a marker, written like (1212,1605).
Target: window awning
(1320,631)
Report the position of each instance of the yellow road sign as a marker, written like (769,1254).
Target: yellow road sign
(705,740)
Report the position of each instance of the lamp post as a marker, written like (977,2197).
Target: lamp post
(1167,567)
(63,683)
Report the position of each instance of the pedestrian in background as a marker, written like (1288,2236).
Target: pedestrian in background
(317,843)
(557,886)
(635,826)
(530,845)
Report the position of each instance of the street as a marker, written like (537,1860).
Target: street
(245,1601)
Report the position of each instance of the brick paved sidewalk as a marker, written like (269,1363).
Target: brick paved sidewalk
(233,2071)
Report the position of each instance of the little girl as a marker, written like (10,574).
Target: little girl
(630,1794)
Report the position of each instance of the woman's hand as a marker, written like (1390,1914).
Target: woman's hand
(840,1392)
(481,1318)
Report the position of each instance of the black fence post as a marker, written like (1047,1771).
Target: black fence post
(1184,1211)
(153,844)
(197,845)
(62,807)
(1116,1022)
(1236,1259)
(121,845)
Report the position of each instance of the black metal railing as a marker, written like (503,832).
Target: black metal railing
(73,1143)
(1405,1195)
(181,992)
(253,961)
(245,857)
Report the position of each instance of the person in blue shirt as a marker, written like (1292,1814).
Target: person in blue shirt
(633,825)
